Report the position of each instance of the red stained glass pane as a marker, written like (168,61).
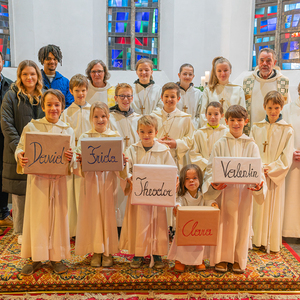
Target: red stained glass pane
(287,35)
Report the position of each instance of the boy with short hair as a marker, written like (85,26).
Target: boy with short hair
(124,120)
(137,236)
(77,115)
(174,126)
(275,139)
(235,200)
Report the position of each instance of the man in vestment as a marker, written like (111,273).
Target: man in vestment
(265,78)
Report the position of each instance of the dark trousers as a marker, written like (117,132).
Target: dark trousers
(4,211)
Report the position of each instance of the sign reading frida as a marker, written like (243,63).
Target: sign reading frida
(46,153)
(102,154)
(236,170)
(154,185)
(197,225)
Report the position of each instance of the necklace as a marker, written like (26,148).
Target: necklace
(142,107)
(165,131)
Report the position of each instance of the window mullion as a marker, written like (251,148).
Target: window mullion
(132,32)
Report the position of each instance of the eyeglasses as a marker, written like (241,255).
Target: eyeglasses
(98,72)
(122,97)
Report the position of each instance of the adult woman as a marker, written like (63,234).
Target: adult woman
(99,89)
(21,103)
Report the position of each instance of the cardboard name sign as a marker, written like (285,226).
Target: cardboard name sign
(46,153)
(102,154)
(197,225)
(154,185)
(236,170)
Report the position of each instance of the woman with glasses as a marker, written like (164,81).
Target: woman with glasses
(99,89)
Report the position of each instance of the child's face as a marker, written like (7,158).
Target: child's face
(186,76)
(170,99)
(147,134)
(52,108)
(273,111)
(79,93)
(124,102)
(236,126)
(223,72)
(213,116)
(144,73)
(191,181)
(100,120)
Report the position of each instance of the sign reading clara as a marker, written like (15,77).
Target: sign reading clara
(102,154)
(46,153)
(236,170)
(154,185)
(197,225)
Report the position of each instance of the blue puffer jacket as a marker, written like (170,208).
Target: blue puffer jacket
(59,83)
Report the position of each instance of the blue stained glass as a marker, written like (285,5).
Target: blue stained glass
(298,5)
(142,51)
(289,18)
(115,53)
(141,3)
(295,66)
(7,51)
(272,9)
(4,14)
(284,47)
(253,61)
(145,27)
(264,29)
(119,27)
(145,16)
(287,25)
(118,3)
(138,16)
(285,55)
(109,41)
(154,1)
(258,40)
(122,16)
(262,47)
(109,27)
(138,57)
(118,63)
(286,7)
(109,17)
(260,11)
(7,63)
(286,66)
(264,23)
(266,39)
(294,45)
(296,20)
(154,51)
(137,26)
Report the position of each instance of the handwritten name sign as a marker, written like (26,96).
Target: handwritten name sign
(237,170)
(102,154)
(197,225)
(154,185)
(45,152)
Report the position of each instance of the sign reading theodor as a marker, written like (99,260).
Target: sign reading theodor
(154,185)
(45,153)
(197,225)
(236,170)
(102,154)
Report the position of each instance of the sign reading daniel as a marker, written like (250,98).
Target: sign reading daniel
(236,170)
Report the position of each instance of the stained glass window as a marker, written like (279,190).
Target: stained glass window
(4,32)
(121,41)
(279,32)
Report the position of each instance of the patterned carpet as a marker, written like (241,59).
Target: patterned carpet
(274,272)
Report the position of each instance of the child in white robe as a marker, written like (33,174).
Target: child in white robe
(275,139)
(77,115)
(136,235)
(220,89)
(190,100)
(234,200)
(291,220)
(146,93)
(46,230)
(204,138)
(124,120)
(96,223)
(174,126)
(189,194)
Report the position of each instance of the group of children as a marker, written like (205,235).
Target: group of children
(90,205)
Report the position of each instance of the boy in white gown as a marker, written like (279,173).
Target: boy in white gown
(136,235)
(46,231)
(77,115)
(234,200)
(275,139)
(124,120)
(291,220)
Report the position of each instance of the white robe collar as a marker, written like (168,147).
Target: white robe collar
(191,200)
(60,123)
(157,147)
